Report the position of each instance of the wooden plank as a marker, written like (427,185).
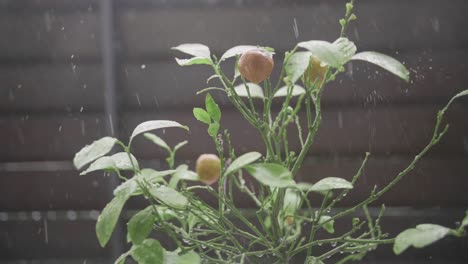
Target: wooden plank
(348,130)
(51,87)
(436,76)
(49,35)
(399,25)
(436,181)
(345,130)
(28,241)
(53,137)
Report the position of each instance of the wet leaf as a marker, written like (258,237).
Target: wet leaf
(297,64)
(255,90)
(140,225)
(94,151)
(157,140)
(148,252)
(386,62)
(193,61)
(419,237)
(283,91)
(212,108)
(326,52)
(270,174)
(169,197)
(110,214)
(331,183)
(243,161)
(187,258)
(194,49)
(329,225)
(237,50)
(154,124)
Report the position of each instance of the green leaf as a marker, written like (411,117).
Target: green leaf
(210,89)
(154,124)
(347,48)
(180,144)
(140,225)
(201,115)
(193,61)
(213,129)
(331,183)
(122,161)
(460,94)
(326,52)
(297,64)
(194,49)
(110,214)
(122,258)
(237,50)
(283,91)
(157,140)
(187,258)
(465,220)
(292,201)
(419,237)
(182,173)
(329,225)
(212,108)
(313,260)
(255,90)
(153,176)
(103,163)
(169,197)
(148,252)
(91,152)
(270,174)
(384,61)
(242,161)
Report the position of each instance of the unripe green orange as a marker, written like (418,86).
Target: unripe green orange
(256,65)
(315,72)
(208,168)
(289,220)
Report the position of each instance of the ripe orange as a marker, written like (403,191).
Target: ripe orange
(256,65)
(315,72)
(208,168)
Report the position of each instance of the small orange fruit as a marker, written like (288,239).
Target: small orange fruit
(315,72)
(289,220)
(208,168)
(256,65)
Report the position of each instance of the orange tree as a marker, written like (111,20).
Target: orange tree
(276,231)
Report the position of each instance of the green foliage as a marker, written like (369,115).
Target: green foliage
(421,236)
(224,233)
(386,62)
(91,152)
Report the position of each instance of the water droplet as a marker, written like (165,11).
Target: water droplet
(143,66)
(36,216)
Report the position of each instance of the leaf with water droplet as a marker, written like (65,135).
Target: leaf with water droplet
(242,161)
(419,237)
(386,62)
(94,151)
(254,89)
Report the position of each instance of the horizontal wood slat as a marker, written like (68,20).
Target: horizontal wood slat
(436,181)
(76,239)
(400,25)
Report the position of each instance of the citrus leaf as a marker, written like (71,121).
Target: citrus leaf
(193,61)
(297,64)
(212,108)
(194,49)
(328,226)
(148,252)
(180,144)
(169,197)
(157,140)
(242,161)
(419,237)
(331,183)
(270,174)
(122,258)
(237,50)
(347,48)
(93,151)
(118,161)
(110,214)
(201,115)
(255,90)
(283,91)
(465,220)
(386,62)
(325,51)
(213,129)
(140,225)
(187,258)
(182,173)
(154,124)
(292,201)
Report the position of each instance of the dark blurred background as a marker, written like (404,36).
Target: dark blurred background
(74,71)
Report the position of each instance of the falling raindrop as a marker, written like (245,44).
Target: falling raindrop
(143,66)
